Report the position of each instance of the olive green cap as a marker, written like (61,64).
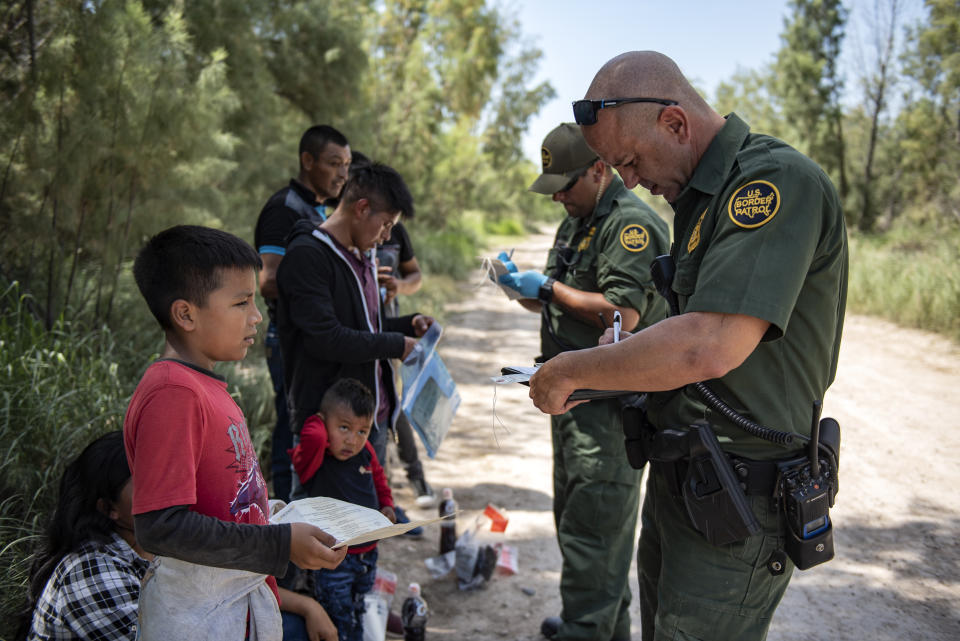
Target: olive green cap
(564,152)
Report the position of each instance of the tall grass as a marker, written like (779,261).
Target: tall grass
(909,276)
(58,391)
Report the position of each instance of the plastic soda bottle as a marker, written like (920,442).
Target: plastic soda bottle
(448,527)
(414,615)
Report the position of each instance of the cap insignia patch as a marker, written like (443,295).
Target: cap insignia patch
(754,204)
(546,157)
(634,238)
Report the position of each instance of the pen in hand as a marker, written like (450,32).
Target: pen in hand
(616,326)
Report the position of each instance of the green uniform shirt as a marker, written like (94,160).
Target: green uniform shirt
(609,252)
(759,231)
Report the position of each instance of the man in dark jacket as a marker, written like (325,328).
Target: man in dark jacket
(329,315)
(324,162)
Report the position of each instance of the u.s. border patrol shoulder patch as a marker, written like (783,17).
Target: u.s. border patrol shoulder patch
(634,238)
(754,204)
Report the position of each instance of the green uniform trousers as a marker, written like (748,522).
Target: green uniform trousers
(596,498)
(691,590)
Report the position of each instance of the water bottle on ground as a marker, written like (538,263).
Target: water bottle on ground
(414,615)
(448,527)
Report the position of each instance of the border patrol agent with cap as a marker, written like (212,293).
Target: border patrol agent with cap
(761,276)
(599,263)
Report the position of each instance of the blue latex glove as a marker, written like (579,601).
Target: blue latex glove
(505,259)
(527,283)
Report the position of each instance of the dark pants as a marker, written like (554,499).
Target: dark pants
(294,627)
(595,499)
(340,591)
(407,449)
(280,471)
(692,590)
(378,440)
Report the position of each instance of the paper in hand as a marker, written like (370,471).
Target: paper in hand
(494,269)
(349,524)
(522,375)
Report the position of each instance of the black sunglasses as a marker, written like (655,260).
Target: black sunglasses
(585,111)
(577,176)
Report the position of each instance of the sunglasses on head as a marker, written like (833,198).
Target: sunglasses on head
(585,111)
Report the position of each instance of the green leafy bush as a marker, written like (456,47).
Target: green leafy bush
(505,227)
(453,252)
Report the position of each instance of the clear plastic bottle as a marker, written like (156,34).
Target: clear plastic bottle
(448,527)
(414,615)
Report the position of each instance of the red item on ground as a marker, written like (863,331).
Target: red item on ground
(498,519)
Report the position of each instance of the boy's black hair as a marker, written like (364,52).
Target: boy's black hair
(351,393)
(317,137)
(380,184)
(185,262)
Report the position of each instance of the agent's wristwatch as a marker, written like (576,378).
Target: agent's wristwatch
(545,295)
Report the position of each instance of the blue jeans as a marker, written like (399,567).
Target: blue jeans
(280,470)
(294,627)
(340,591)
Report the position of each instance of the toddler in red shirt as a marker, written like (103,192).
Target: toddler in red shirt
(335,459)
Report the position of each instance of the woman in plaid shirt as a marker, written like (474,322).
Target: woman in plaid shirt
(86,582)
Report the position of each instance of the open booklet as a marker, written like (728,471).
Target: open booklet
(522,375)
(494,269)
(349,524)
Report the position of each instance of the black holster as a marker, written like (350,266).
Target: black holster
(716,503)
(638,433)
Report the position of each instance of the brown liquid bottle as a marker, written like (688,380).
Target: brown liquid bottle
(448,526)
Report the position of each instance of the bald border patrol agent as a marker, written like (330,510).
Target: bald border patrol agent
(760,283)
(599,264)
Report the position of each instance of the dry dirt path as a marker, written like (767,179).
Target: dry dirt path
(897,571)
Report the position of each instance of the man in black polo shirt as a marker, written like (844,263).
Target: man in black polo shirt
(324,162)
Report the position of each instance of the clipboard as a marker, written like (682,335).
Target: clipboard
(577,395)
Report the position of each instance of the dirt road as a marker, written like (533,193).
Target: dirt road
(896,575)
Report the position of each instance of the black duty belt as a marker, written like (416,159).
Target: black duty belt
(757,478)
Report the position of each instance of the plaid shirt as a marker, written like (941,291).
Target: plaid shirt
(92,594)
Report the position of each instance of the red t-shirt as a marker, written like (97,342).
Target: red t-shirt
(187,444)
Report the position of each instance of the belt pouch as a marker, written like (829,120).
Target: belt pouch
(715,502)
(637,432)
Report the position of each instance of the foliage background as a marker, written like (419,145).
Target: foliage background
(123,117)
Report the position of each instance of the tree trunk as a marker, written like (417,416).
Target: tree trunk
(841,153)
(111,198)
(52,272)
(76,253)
(6,172)
(126,235)
(877,97)
(867,215)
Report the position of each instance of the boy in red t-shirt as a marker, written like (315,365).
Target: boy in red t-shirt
(199,500)
(335,459)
